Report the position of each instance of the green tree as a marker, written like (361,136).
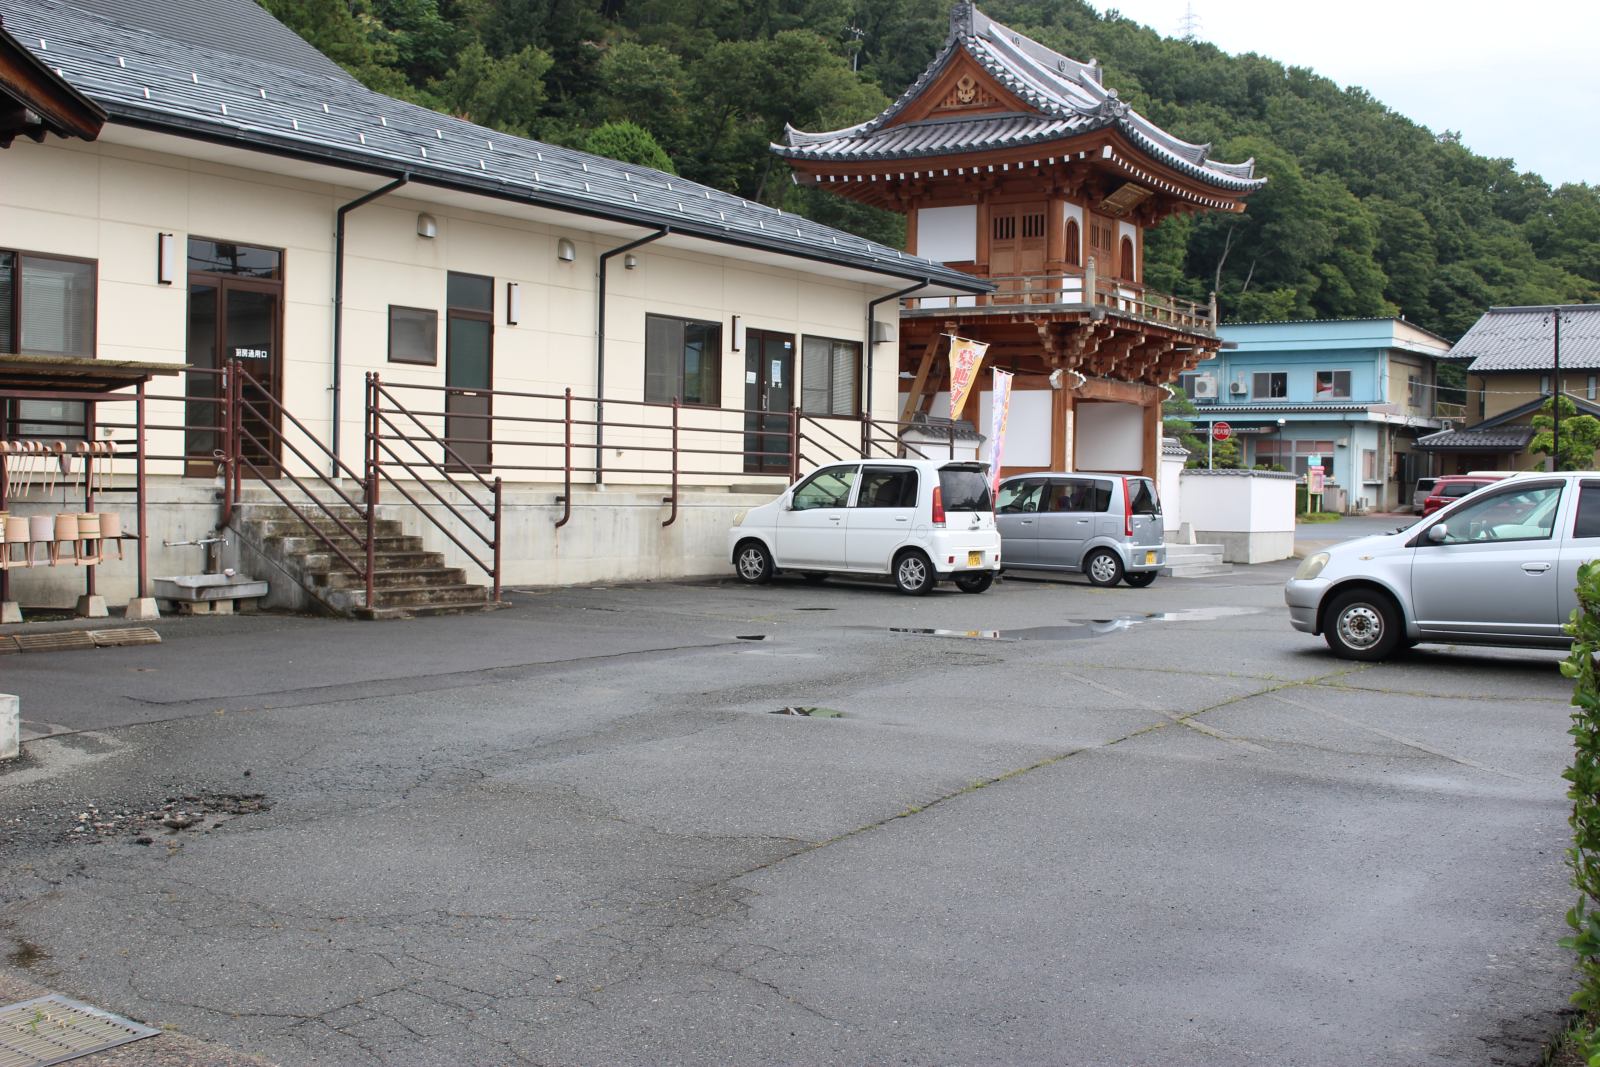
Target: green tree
(1580,436)
(629,143)
(1176,412)
(504,93)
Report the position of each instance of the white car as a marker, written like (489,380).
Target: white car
(918,521)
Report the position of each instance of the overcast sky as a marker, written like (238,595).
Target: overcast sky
(1518,80)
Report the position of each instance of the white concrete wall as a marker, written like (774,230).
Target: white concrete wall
(1170,486)
(1249,513)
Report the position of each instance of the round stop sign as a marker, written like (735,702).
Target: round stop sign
(1221,431)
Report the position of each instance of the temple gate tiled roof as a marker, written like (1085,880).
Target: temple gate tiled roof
(1064,96)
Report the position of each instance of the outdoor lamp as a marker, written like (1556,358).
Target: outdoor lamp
(166,259)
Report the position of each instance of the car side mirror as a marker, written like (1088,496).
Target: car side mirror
(1438,533)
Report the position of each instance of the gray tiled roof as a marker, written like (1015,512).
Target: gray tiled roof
(1495,439)
(1065,93)
(238,79)
(1523,339)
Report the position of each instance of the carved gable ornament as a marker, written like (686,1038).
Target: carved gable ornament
(967,92)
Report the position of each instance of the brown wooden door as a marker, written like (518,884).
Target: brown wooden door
(1016,249)
(768,400)
(234,319)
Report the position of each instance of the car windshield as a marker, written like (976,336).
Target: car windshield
(964,489)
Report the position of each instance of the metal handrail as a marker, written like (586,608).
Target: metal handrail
(378,447)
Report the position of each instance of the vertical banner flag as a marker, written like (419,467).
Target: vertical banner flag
(965,359)
(998,412)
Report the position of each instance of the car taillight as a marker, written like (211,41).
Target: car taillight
(938,506)
(1127,510)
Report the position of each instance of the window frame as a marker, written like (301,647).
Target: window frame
(1273,377)
(1333,392)
(833,343)
(1490,500)
(894,470)
(433,361)
(12,418)
(716,376)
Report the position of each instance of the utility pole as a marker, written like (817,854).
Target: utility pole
(1189,25)
(1555,402)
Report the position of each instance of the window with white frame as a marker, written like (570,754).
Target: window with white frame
(1333,385)
(1295,455)
(1269,385)
(830,376)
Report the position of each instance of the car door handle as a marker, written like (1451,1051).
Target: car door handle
(1535,568)
(901,518)
(835,518)
(1027,522)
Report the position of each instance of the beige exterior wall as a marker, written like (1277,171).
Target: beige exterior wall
(108,202)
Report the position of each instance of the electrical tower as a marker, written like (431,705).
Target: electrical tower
(1189,25)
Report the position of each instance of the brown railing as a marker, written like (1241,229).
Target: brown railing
(1075,289)
(254,445)
(390,423)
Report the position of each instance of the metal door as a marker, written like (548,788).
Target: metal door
(768,401)
(234,319)
(1016,515)
(1066,520)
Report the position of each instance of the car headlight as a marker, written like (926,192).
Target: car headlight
(738,519)
(1311,566)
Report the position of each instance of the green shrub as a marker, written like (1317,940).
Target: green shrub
(1584,792)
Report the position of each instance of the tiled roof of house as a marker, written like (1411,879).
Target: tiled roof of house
(1523,339)
(225,71)
(1065,94)
(1498,439)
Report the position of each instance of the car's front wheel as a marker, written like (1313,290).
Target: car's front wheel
(1363,624)
(1103,567)
(753,563)
(1139,579)
(975,583)
(913,573)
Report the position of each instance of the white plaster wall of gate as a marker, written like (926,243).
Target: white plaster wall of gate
(1110,436)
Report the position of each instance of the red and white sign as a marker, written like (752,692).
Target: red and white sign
(1221,431)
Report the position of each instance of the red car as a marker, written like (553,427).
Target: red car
(1453,487)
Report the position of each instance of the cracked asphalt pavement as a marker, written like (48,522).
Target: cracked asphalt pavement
(1108,827)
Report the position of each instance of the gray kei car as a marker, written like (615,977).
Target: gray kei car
(1108,526)
(1498,567)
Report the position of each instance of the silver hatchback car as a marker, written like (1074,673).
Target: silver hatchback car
(1108,526)
(1498,567)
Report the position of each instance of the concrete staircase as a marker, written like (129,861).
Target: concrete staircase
(1195,561)
(407,580)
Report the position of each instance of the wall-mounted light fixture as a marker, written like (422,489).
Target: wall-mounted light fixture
(513,303)
(166,259)
(630,261)
(427,226)
(737,341)
(566,251)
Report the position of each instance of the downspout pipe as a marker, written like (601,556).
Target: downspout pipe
(872,312)
(600,352)
(338,301)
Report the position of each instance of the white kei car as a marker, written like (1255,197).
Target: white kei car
(918,521)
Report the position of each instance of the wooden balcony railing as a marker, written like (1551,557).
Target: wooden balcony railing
(1072,290)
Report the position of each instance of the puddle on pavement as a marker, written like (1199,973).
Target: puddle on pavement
(1077,631)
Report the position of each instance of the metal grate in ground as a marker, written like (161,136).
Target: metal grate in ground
(74,640)
(53,1029)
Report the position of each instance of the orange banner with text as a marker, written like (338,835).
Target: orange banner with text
(966,356)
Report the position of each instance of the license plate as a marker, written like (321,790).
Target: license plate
(1149,557)
(974,559)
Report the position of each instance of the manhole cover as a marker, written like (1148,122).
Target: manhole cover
(54,1029)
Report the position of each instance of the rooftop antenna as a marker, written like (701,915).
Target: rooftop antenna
(1189,25)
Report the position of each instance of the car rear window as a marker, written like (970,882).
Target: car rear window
(1144,497)
(964,489)
(1460,488)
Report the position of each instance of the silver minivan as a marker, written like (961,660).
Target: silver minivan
(1108,526)
(1498,567)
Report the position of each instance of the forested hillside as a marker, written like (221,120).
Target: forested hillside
(1365,212)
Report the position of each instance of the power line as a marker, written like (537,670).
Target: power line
(1189,25)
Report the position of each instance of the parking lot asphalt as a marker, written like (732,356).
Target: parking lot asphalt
(1052,824)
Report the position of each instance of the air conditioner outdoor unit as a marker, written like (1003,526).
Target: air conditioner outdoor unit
(1236,388)
(1205,388)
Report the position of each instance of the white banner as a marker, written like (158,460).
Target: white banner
(999,411)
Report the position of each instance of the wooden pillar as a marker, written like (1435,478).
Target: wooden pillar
(1060,427)
(1152,437)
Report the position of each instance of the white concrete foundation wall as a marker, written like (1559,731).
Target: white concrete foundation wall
(178,510)
(10,726)
(614,534)
(1249,513)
